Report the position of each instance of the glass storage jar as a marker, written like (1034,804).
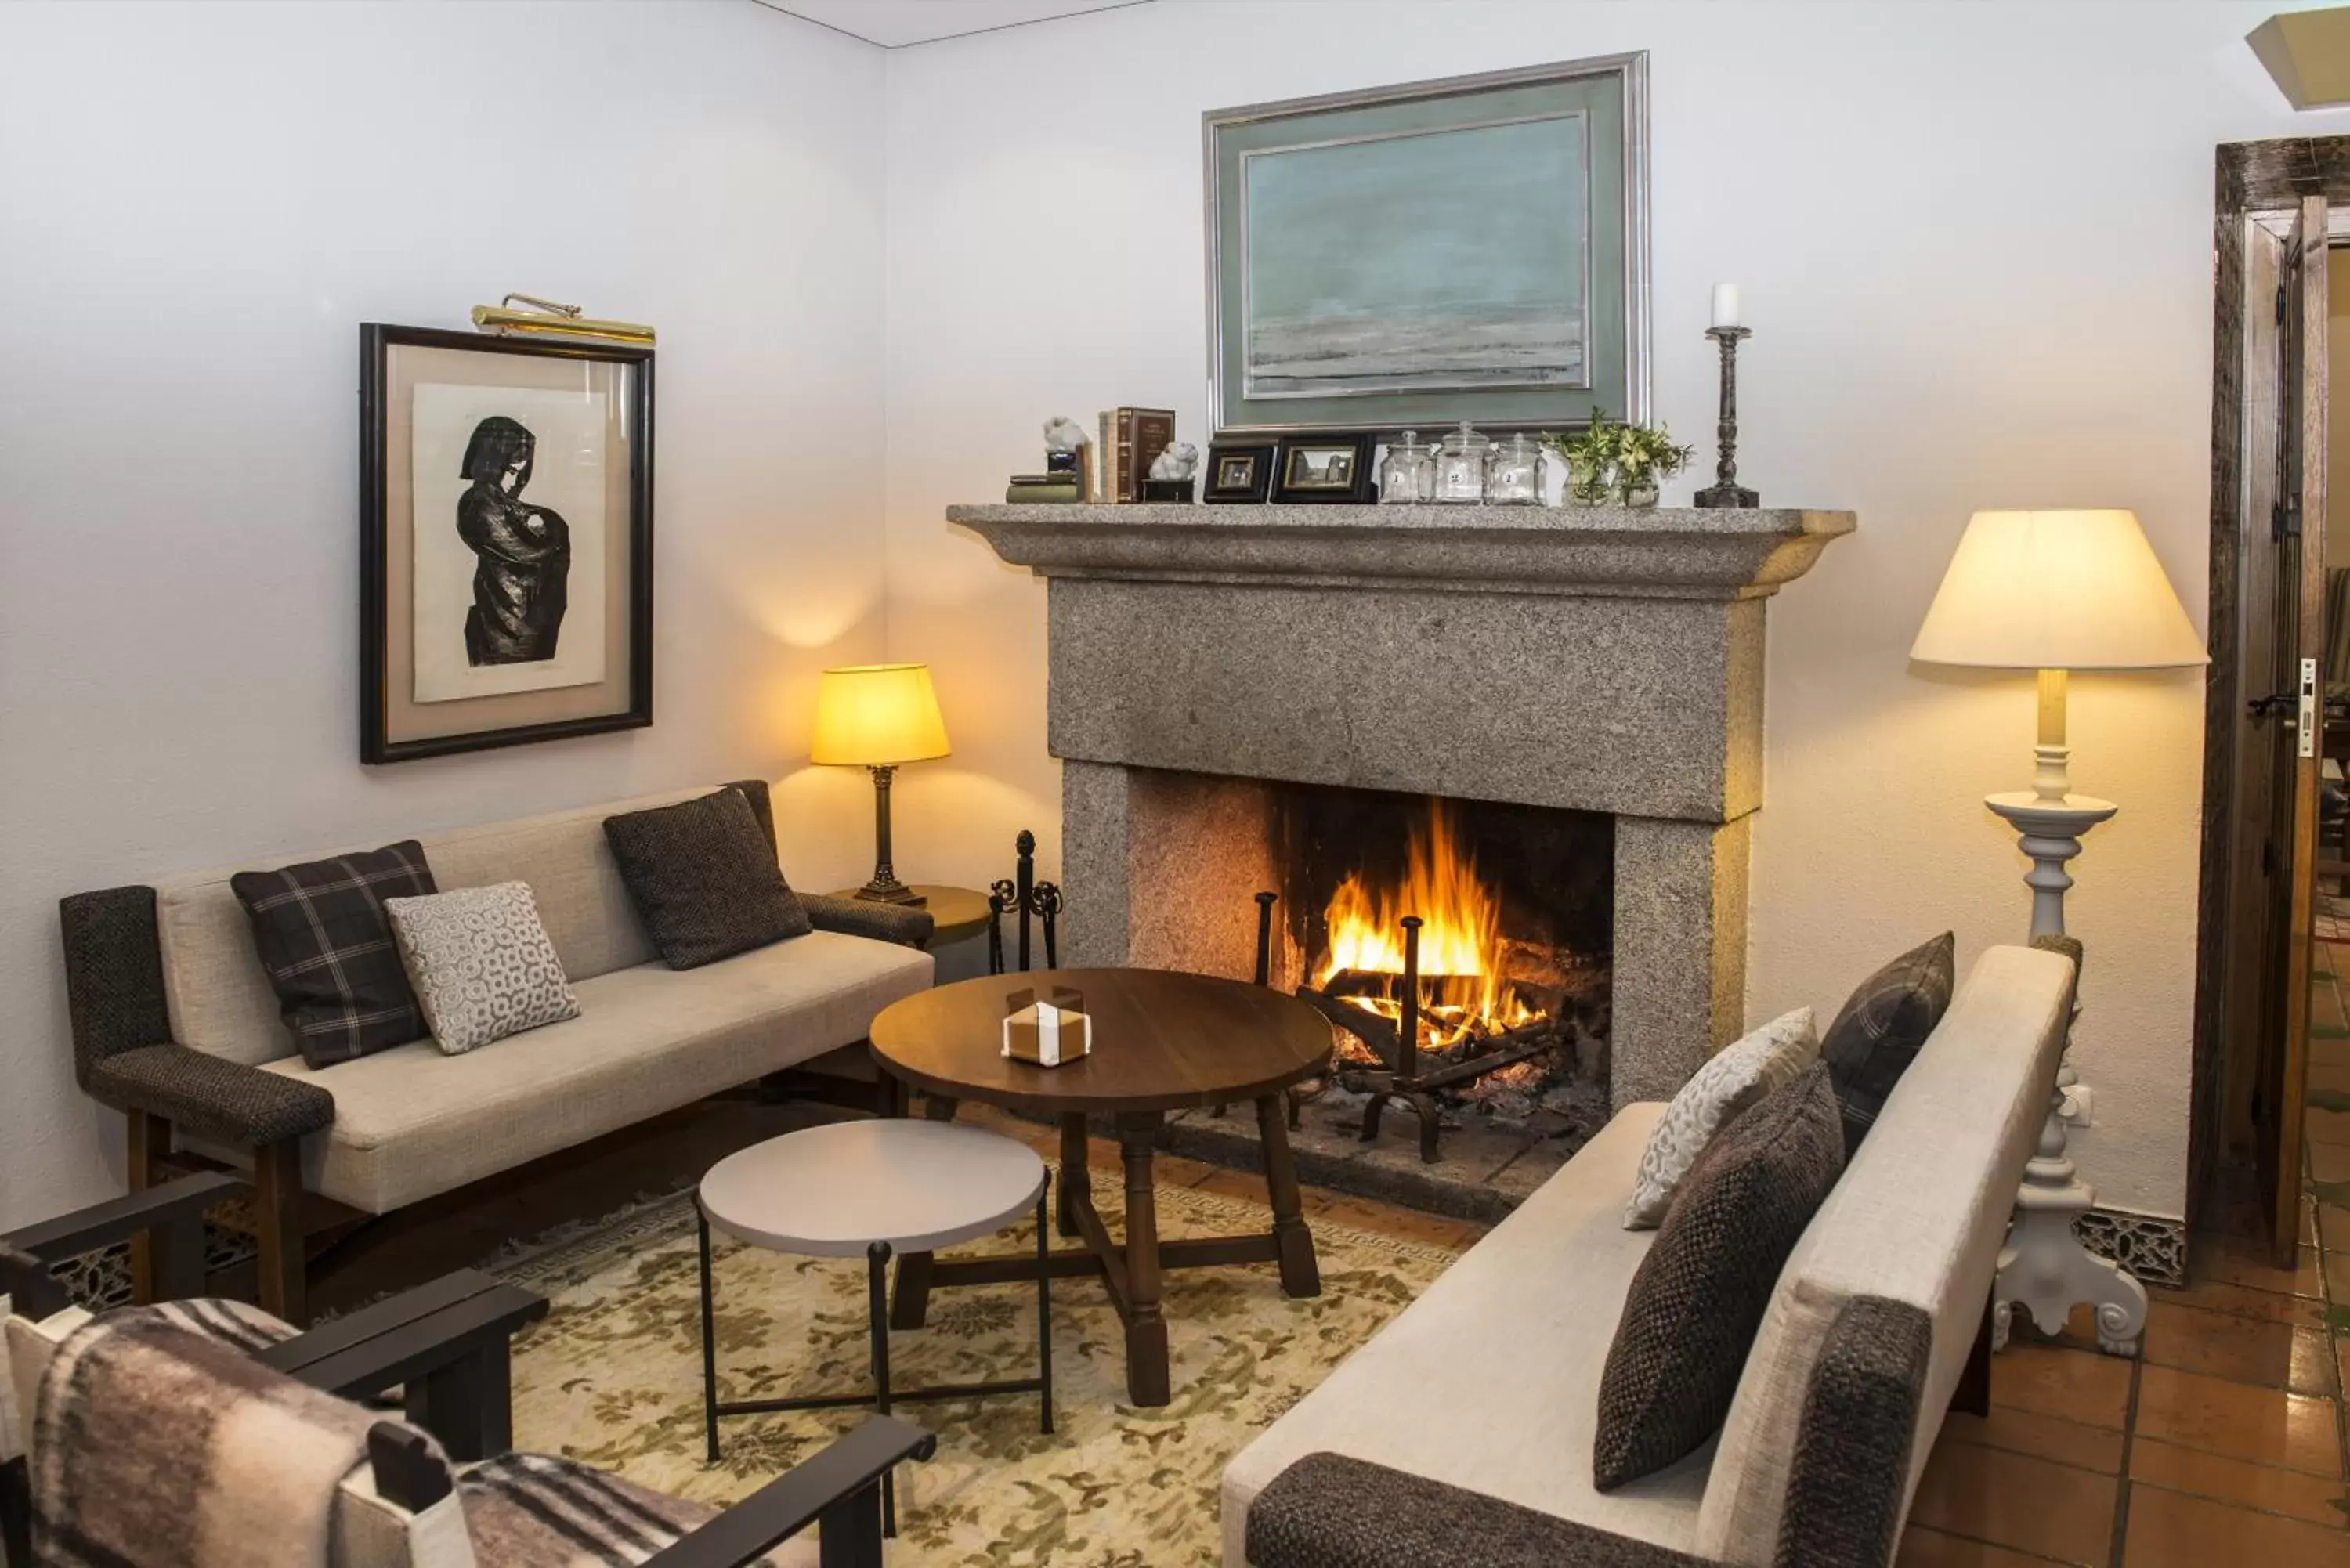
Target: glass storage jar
(1460,465)
(1514,472)
(1410,473)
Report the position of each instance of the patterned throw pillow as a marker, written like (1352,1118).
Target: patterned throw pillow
(1737,1076)
(321,933)
(1699,1296)
(704,877)
(1881,1029)
(481,963)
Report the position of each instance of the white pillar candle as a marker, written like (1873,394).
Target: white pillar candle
(1725,304)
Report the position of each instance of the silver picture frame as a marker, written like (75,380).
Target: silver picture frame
(1237,407)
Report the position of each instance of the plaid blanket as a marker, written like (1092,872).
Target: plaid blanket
(534,1510)
(159,1441)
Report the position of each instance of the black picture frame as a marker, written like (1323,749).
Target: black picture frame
(378,343)
(1221,485)
(1293,485)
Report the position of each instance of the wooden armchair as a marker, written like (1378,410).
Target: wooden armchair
(404,1504)
(444,1345)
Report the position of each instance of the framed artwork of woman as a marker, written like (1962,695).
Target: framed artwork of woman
(506,506)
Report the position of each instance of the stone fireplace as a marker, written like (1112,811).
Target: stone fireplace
(1581,687)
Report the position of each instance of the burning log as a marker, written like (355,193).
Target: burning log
(1376,1033)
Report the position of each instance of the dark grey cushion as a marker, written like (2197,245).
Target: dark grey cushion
(1699,1296)
(114,973)
(1851,1467)
(211,1096)
(704,877)
(900,923)
(1328,1511)
(323,936)
(1883,1025)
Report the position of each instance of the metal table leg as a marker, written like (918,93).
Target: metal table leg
(709,1340)
(877,1287)
(1044,1303)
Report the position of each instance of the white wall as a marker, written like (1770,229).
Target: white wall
(198,204)
(1975,242)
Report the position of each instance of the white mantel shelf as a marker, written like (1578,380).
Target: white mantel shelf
(1647,552)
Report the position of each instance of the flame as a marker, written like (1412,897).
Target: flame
(1462,988)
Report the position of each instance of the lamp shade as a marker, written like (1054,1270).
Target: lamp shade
(2056,590)
(879,715)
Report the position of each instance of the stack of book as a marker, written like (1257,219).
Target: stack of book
(1131,440)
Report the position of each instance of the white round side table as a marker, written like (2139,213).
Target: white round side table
(875,1188)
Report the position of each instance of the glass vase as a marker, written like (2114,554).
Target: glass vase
(1514,471)
(1587,482)
(1461,466)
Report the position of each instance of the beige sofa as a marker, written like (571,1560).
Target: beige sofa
(1489,1381)
(215,1062)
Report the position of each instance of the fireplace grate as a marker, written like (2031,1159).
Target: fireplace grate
(1406,1075)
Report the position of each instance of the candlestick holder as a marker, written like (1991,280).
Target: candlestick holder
(1726,491)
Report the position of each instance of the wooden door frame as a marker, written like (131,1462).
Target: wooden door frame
(2254,178)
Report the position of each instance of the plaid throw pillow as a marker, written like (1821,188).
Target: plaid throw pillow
(1881,1029)
(327,943)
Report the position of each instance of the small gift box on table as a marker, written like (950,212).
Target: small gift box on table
(1047,1031)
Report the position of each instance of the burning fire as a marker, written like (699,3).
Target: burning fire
(1463,992)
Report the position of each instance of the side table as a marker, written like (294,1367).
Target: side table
(875,1188)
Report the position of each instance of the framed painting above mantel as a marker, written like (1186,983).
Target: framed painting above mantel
(505,540)
(1475,247)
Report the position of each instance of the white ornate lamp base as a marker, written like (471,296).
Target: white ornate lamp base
(2043,1267)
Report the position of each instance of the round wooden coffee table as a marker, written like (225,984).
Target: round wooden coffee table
(1163,1042)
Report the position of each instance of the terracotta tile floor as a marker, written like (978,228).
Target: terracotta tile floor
(2221,1444)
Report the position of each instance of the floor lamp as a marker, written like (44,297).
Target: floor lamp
(2056,592)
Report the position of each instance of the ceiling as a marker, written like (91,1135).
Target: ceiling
(894,24)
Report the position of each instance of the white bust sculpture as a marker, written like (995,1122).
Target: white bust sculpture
(1180,461)
(1063,435)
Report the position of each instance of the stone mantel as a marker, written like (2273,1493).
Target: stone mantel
(1597,659)
(1650,553)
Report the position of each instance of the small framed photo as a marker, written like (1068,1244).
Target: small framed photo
(1240,470)
(1324,468)
(505,540)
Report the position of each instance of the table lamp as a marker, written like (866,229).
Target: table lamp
(2056,592)
(879,716)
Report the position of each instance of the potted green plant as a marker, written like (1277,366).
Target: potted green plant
(1646,456)
(1589,456)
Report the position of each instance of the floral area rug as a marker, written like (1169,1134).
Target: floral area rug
(613,1377)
